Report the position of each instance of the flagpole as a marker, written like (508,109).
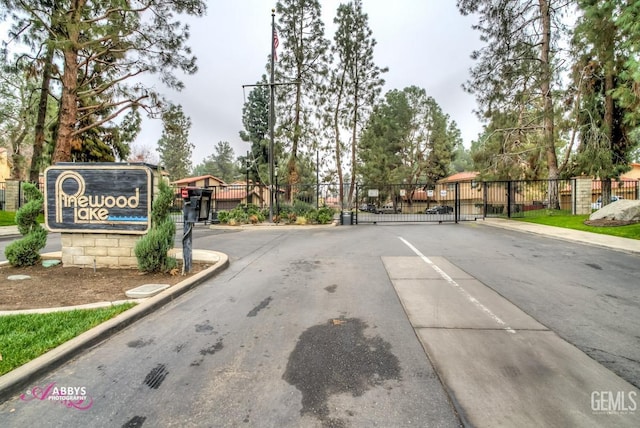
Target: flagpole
(272,116)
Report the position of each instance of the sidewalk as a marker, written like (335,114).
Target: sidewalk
(9,231)
(604,241)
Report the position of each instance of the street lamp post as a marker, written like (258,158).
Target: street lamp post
(272,115)
(272,111)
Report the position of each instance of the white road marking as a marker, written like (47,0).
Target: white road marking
(453,283)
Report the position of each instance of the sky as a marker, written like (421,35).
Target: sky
(426,43)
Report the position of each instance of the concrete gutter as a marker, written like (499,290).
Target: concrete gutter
(21,377)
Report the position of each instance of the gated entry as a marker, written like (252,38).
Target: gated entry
(470,200)
(445,202)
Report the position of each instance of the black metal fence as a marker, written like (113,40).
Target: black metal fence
(444,202)
(470,200)
(521,198)
(227,198)
(392,203)
(3,195)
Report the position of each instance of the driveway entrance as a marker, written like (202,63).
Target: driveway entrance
(395,203)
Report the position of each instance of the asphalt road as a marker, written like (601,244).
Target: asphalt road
(305,329)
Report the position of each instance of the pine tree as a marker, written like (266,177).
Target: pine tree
(100,48)
(355,85)
(409,140)
(516,70)
(605,137)
(303,59)
(219,164)
(255,118)
(174,146)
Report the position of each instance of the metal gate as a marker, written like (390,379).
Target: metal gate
(416,203)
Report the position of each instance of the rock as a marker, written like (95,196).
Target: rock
(49,263)
(18,277)
(621,210)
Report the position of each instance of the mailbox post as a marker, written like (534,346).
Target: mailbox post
(188,217)
(196,207)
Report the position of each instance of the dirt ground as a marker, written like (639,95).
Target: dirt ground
(57,286)
(610,223)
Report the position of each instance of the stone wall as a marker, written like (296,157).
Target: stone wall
(582,196)
(11,195)
(99,250)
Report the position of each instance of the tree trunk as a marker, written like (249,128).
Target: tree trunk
(608,110)
(38,143)
(336,133)
(68,99)
(354,135)
(545,87)
(292,166)
(17,159)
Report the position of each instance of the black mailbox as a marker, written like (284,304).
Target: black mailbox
(197,203)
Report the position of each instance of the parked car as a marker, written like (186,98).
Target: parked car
(389,209)
(439,209)
(370,208)
(598,204)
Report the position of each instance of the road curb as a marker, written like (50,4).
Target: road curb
(19,378)
(626,245)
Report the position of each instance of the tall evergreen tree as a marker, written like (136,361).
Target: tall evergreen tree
(605,136)
(516,70)
(303,59)
(255,118)
(17,115)
(219,164)
(409,140)
(100,47)
(355,85)
(628,16)
(174,146)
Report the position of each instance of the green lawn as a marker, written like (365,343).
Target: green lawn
(576,222)
(8,218)
(25,337)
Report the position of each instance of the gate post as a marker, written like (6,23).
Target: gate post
(456,202)
(485,199)
(357,202)
(509,199)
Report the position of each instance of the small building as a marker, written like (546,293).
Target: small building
(470,193)
(230,196)
(203,181)
(5,167)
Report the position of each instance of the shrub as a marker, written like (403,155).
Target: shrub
(284,210)
(243,213)
(223,216)
(312,217)
(152,249)
(301,208)
(325,215)
(162,204)
(26,251)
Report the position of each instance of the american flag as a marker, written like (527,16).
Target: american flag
(276,42)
